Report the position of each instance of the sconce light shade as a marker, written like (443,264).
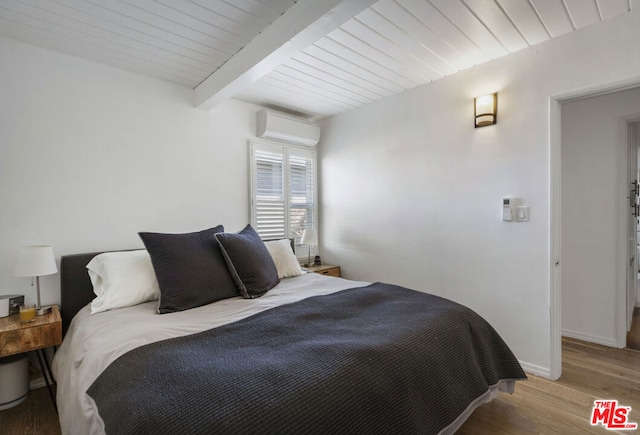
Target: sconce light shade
(485,110)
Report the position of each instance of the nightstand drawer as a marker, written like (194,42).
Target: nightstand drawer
(334,271)
(16,337)
(325,270)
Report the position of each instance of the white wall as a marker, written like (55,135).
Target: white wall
(90,155)
(594,165)
(411,192)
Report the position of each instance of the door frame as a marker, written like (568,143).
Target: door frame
(632,130)
(555,218)
(624,215)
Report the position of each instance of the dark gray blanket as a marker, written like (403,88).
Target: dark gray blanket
(376,359)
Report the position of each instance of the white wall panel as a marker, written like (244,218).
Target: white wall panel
(432,19)
(554,16)
(326,72)
(338,42)
(610,8)
(525,19)
(330,53)
(583,13)
(380,50)
(464,20)
(411,35)
(488,12)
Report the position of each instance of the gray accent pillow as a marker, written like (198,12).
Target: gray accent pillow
(249,262)
(190,269)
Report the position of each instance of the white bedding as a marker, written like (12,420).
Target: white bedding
(95,341)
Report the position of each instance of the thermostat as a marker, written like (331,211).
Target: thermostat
(507,203)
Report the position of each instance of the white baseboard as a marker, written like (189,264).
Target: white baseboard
(590,338)
(536,370)
(545,372)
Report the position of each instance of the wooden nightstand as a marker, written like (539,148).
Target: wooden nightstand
(45,331)
(325,269)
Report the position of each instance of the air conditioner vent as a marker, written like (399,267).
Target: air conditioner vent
(278,126)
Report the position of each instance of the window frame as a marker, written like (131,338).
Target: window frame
(286,149)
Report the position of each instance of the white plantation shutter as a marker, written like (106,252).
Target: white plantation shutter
(301,193)
(283,187)
(269,200)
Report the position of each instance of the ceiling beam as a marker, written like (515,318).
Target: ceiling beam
(300,26)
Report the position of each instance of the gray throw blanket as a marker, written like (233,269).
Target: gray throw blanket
(370,360)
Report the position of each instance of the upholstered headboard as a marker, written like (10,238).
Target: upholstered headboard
(76,290)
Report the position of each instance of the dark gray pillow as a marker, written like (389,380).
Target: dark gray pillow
(190,268)
(249,262)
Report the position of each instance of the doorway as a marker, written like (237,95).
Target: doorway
(633,279)
(633,269)
(591,218)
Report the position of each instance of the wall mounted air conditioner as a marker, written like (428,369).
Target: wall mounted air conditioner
(278,126)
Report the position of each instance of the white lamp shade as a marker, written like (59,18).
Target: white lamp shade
(36,261)
(309,237)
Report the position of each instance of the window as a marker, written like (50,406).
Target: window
(283,190)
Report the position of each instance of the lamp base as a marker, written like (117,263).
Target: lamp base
(43,310)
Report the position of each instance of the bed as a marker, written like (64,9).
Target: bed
(313,354)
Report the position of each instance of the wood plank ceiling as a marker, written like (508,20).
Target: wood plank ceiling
(382,48)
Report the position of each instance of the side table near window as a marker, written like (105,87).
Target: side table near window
(324,269)
(18,338)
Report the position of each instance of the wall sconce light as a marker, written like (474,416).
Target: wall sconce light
(485,110)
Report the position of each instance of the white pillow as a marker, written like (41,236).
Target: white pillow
(121,279)
(286,262)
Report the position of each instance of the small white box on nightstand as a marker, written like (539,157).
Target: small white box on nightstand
(10,304)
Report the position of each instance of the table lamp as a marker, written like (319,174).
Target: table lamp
(36,261)
(310,238)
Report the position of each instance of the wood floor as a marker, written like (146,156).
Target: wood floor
(34,416)
(538,406)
